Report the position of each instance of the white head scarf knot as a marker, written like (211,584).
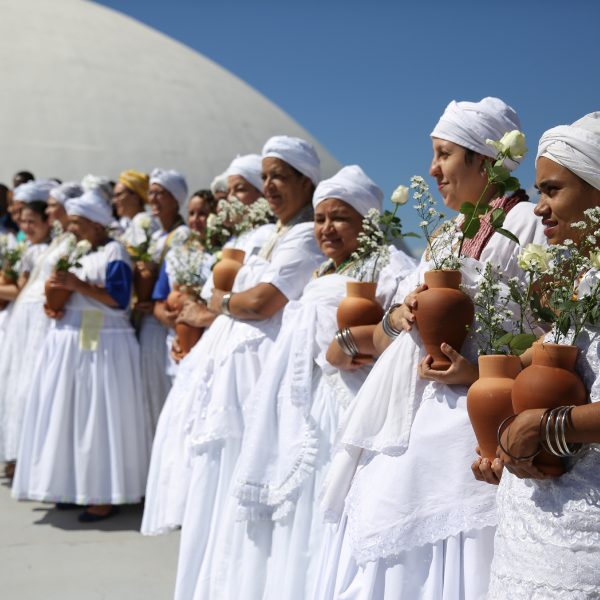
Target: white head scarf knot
(32,191)
(98,183)
(219,183)
(295,152)
(470,124)
(173,181)
(65,191)
(249,167)
(575,147)
(92,206)
(354,187)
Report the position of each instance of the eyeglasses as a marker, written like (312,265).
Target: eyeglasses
(121,194)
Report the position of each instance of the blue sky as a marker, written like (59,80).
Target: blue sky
(370,80)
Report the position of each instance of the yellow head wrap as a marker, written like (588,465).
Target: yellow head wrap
(137,182)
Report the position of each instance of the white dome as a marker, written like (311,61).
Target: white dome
(87,89)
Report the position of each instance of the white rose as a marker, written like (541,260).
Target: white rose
(400,195)
(512,143)
(595,259)
(83,247)
(143,220)
(211,221)
(534,257)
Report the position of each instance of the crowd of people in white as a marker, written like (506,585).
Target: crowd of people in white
(188,353)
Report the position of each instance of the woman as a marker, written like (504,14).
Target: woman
(83,439)
(167,195)
(250,318)
(548,538)
(414,524)
(169,468)
(26,328)
(129,196)
(299,399)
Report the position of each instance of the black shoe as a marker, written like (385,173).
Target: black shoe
(88,517)
(66,506)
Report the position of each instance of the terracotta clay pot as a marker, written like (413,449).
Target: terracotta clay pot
(143,284)
(227,268)
(549,382)
(187,336)
(56,298)
(359,307)
(176,299)
(489,399)
(443,314)
(4,281)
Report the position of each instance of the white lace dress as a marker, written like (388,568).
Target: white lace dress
(414,522)
(547,544)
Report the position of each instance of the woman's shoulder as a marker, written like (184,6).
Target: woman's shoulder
(115,251)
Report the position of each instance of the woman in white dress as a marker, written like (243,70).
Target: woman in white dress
(169,474)
(413,523)
(547,543)
(27,326)
(242,337)
(83,439)
(167,196)
(300,397)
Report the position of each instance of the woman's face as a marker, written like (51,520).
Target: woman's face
(15,208)
(337,226)
(239,187)
(163,205)
(457,180)
(55,211)
(84,229)
(125,202)
(35,228)
(286,191)
(198,211)
(562,199)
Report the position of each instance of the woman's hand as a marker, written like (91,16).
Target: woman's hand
(460,372)
(486,470)
(522,438)
(403,317)
(65,280)
(53,314)
(146,307)
(176,353)
(195,314)
(337,358)
(216,301)
(164,314)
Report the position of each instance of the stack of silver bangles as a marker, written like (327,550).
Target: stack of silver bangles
(346,341)
(554,439)
(386,323)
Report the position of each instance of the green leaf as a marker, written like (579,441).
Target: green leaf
(471,228)
(505,340)
(467,209)
(497,217)
(500,173)
(522,342)
(511,184)
(508,234)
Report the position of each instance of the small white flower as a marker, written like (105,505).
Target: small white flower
(400,195)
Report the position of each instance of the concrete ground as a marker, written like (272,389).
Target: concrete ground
(47,554)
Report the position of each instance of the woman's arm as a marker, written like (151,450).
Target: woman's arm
(256,304)
(164,315)
(363,338)
(196,314)
(69,281)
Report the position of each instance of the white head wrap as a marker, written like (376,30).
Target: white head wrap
(576,147)
(295,152)
(34,190)
(92,206)
(219,183)
(173,181)
(98,183)
(470,124)
(65,191)
(353,186)
(249,167)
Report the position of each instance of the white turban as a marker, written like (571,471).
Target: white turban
(249,167)
(295,152)
(576,147)
(219,183)
(352,185)
(470,124)
(173,181)
(32,191)
(92,206)
(65,191)
(98,183)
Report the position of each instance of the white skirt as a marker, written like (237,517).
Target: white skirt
(83,437)
(23,338)
(456,568)
(155,380)
(170,469)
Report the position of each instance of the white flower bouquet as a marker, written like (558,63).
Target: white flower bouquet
(75,250)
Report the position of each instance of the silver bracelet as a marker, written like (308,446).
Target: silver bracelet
(225,304)
(346,342)
(556,441)
(386,322)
